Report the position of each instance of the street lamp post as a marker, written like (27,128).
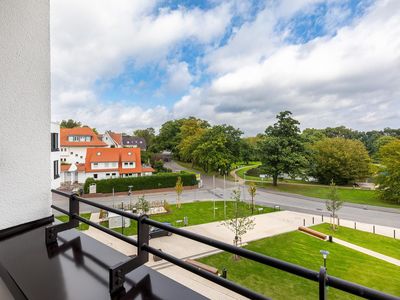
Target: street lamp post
(325,254)
(130,198)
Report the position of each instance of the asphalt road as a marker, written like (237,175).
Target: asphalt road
(360,213)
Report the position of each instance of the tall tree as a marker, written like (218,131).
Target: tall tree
(148,134)
(341,160)
(389,178)
(218,148)
(70,123)
(282,149)
(191,133)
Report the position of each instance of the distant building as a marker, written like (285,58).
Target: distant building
(134,142)
(112,139)
(105,163)
(55,155)
(75,141)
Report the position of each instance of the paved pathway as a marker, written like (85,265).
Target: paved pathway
(368,252)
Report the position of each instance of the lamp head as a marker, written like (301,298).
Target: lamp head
(324,253)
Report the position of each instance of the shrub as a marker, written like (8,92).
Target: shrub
(161,180)
(167,206)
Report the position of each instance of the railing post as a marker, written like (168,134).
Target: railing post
(322,283)
(143,238)
(117,272)
(53,230)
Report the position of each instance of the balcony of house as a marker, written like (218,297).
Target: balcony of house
(62,263)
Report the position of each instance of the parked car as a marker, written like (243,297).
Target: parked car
(157,232)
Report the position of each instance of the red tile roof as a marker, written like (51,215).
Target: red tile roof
(119,155)
(80,131)
(117,137)
(80,167)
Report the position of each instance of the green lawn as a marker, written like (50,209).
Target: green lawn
(375,242)
(197,213)
(82,226)
(303,250)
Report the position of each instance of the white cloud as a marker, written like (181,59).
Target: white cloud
(178,78)
(352,78)
(93,40)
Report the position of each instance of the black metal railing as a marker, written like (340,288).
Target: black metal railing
(117,273)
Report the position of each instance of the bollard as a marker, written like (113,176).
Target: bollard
(313,220)
(394,233)
(322,218)
(224,273)
(374,228)
(330,239)
(304,222)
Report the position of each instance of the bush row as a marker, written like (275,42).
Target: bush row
(157,181)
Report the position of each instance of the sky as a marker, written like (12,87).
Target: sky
(123,65)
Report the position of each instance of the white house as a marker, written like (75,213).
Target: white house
(105,163)
(75,141)
(112,139)
(55,160)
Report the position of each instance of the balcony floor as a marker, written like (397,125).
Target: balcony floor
(77,268)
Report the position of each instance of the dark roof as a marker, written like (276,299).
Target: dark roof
(134,141)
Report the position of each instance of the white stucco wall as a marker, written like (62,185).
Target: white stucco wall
(25,111)
(78,156)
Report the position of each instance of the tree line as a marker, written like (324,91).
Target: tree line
(337,154)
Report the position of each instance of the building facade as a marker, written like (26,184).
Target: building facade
(106,163)
(55,159)
(75,141)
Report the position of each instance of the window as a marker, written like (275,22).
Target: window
(81,156)
(55,169)
(113,174)
(95,164)
(54,141)
(95,176)
(76,155)
(72,153)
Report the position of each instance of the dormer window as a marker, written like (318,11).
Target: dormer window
(79,138)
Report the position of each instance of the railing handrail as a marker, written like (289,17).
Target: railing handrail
(344,285)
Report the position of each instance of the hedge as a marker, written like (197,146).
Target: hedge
(157,181)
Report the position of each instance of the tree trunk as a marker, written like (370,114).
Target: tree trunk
(252,205)
(274,180)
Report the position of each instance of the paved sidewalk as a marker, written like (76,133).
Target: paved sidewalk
(379,229)
(368,252)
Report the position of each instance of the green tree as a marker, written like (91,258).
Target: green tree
(333,204)
(191,133)
(282,149)
(341,160)
(148,134)
(218,148)
(389,178)
(70,124)
(380,142)
(179,190)
(240,223)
